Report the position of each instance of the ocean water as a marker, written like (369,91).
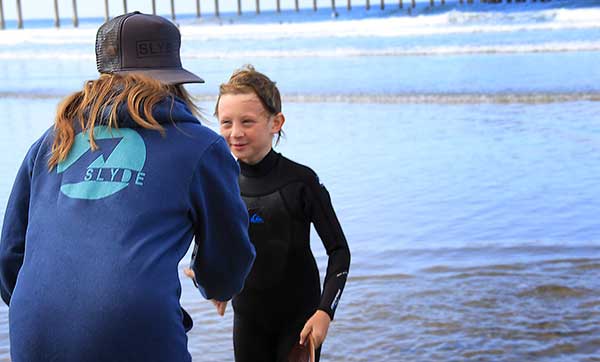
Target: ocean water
(460,145)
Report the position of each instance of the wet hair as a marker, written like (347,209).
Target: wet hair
(247,80)
(104,95)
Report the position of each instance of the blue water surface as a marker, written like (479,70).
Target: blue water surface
(462,166)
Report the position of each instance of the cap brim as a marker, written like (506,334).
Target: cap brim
(167,75)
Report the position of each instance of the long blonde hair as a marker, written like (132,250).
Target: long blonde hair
(108,92)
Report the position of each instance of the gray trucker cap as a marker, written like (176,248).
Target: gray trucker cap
(142,43)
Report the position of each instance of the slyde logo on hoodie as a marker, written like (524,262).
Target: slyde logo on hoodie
(116,165)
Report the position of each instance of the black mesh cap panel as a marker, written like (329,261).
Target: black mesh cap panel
(108,52)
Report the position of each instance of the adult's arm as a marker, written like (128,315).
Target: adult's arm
(14,228)
(223,252)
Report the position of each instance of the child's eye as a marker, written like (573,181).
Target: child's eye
(247,122)
(225,122)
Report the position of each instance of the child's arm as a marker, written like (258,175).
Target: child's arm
(328,227)
(223,252)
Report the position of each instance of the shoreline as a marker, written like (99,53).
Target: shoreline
(448,98)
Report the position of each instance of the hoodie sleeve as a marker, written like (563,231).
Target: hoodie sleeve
(223,253)
(14,229)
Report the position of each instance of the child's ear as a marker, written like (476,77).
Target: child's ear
(278,121)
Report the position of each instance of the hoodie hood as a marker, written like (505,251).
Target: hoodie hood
(169,110)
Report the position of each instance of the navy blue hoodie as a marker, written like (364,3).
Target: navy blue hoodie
(90,249)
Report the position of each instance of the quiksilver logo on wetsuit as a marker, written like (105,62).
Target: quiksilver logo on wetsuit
(256,219)
(119,164)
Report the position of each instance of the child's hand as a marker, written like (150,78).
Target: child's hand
(189,273)
(221,306)
(316,328)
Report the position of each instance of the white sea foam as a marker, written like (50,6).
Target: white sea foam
(550,47)
(394,98)
(451,22)
(52,36)
(408,51)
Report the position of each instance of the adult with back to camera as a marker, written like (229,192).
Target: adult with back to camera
(106,204)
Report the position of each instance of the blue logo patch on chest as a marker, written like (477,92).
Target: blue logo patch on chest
(256,219)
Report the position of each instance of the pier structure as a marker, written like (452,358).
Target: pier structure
(297,8)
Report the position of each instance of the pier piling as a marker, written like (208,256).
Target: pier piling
(258,6)
(217,8)
(124,6)
(296,6)
(382,5)
(2,25)
(198,9)
(56,15)
(173,10)
(75,17)
(314,5)
(278,6)
(106,12)
(153,7)
(368,5)
(19,15)
(239,3)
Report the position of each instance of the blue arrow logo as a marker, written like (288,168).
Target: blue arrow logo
(121,157)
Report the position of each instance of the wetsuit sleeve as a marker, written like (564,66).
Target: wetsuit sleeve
(223,252)
(328,227)
(12,241)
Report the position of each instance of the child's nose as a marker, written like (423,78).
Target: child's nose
(237,131)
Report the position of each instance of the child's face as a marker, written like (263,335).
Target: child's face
(247,126)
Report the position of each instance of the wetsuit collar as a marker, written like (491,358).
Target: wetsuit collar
(261,168)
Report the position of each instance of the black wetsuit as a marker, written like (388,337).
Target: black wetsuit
(283,289)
